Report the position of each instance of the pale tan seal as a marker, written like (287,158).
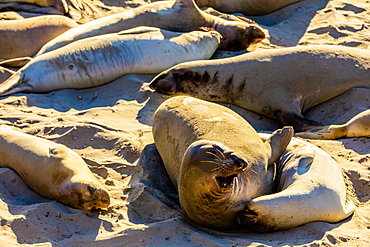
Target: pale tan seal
(22,38)
(52,170)
(311,188)
(247,7)
(279,83)
(98,60)
(215,159)
(358,126)
(179,16)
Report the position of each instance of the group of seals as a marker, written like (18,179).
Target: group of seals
(52,170)
(279,83)
(216,172)
(20,38)
(224,171)
(179,16)
(98,60)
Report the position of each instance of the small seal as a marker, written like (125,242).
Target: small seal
(357,126)
(98,60)
(279,83)
(311,188)
(52,170)
(215,159)
(24,38)
(178,16)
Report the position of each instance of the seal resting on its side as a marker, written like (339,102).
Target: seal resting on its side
(21,38)
(278,83)
(311,188)
(247,7)
(179,16)
(52,170)
(215,159)
(98,60)
(357,126)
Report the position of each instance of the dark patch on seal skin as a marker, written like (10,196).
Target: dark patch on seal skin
(298,122)
(205,77)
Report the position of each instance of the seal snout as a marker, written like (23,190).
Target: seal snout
(163,83)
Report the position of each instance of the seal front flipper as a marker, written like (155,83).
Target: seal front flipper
(14,84)
(278,141)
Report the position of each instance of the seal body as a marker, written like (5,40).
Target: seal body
(20,38)
(52,170)
(279,83)
(247,7)
(179,16)
(5,74)
(357,126)
(98,60)
(215,159)
(311,188)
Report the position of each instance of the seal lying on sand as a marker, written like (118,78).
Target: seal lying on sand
(5,74)
(21,38)
(311,188)
(215,159)
(247,7)
(278,83)
(98,60)
(52,170)
(179,16)
(357,126)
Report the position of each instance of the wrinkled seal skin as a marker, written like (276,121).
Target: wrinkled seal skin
(247,7)
(179,16)
(21,38)
(215,159)
(278,83)
(311,188)
(98,60)
(52,170)
(358,126)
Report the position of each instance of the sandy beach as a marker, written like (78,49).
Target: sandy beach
(110,127)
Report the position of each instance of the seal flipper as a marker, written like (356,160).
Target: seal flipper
(278,141)
(14,84)
(325,132)
(296,120)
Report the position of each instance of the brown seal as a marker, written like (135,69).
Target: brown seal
(215,159)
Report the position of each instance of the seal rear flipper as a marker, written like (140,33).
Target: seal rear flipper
(14,84)
(296,120)
(325,132)
(278,141)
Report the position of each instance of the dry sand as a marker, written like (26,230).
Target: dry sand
(110,126)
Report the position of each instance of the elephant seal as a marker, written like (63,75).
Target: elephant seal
(215,158)
(311,188)
(278,83)
(247,7)
(357,126)
(179,16)
(5,74)
(52,170)
(98,60)
(22,38)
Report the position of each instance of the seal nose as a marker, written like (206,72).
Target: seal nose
(239,162)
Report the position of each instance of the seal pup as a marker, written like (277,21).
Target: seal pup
(247,7)
(215,158)
(311,188)
(179,16)
(98,60)
(24,38)
(357,126)
(52,170)
(278,83)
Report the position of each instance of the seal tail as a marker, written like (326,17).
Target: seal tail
(14,84)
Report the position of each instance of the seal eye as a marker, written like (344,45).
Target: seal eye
(226,182)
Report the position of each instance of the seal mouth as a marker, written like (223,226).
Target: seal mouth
(226,182)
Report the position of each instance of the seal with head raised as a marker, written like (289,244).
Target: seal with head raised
(215,159)
(310,188)
(279,83)
(179,16)
(52,170)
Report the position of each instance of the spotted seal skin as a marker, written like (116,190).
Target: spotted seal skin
(310,188)
(178,16)
(52,170)
(215,159)
(279,83)
(247,7)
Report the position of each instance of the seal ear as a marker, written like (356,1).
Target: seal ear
(278,141)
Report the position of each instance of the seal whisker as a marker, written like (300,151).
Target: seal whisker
(214,155)
(223,156)
(213,162)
